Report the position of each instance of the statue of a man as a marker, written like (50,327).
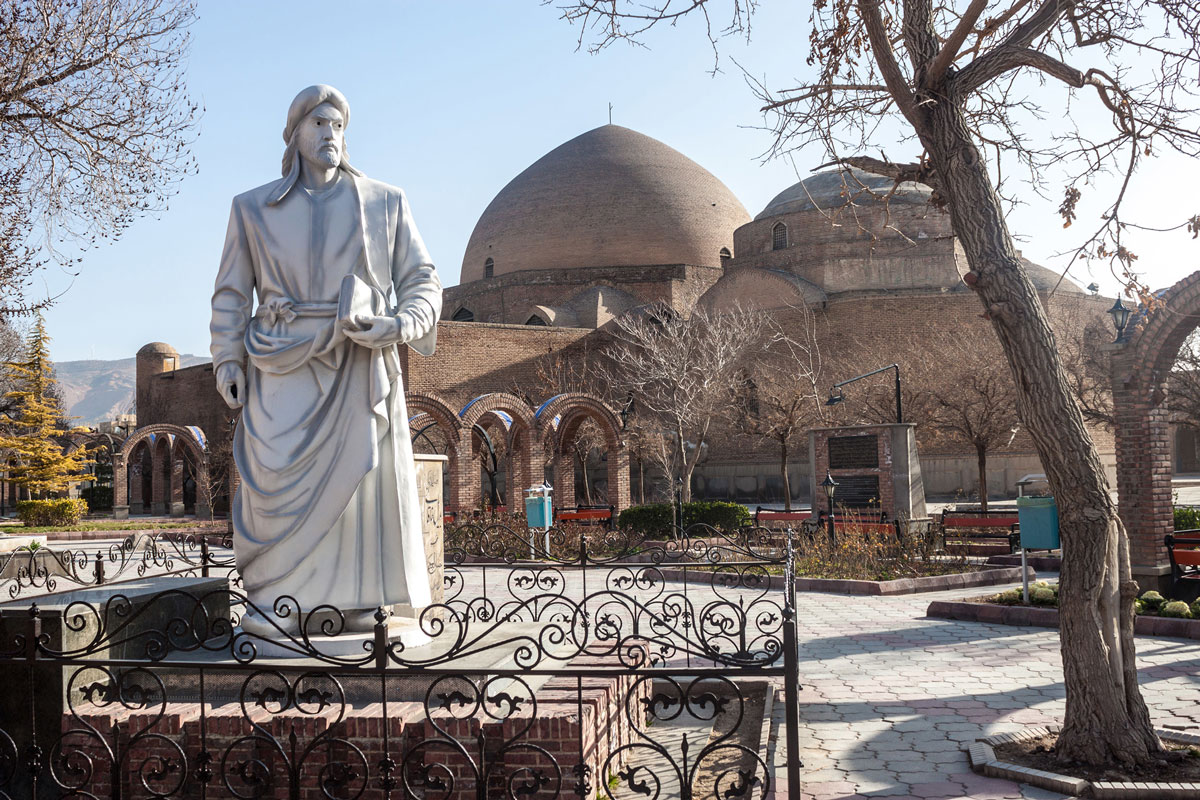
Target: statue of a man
(327,511)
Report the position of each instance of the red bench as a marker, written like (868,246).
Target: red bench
(587,514)
(963,528)
(1183,548)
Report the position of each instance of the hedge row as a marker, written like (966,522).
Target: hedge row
(657,520)
(51,513)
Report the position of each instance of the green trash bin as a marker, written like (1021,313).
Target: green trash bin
(1039,523)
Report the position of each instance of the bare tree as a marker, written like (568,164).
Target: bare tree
(953,84)
(976,405)
(681,372)
(779,394)
(95,125)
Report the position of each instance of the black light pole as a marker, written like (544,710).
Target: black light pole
(834,399)
(830,485)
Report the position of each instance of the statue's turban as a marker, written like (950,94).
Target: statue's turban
(310,98)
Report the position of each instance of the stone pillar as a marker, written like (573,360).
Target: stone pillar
(429,497)
(120,487)
(1143,473)
(160,476)
(176,494)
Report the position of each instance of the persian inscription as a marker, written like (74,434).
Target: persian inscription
(853,452)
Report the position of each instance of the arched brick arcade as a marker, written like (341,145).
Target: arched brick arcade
(559,419)
(531,439)
(1140,369)
(153,467)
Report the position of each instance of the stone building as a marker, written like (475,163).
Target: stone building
(612,221)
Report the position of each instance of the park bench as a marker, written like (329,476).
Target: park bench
(588,515)
(764,516)
(981,532)
(1183,548)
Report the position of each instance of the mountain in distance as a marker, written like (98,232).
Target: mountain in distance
(96,391)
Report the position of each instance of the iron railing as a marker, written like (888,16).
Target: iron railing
(585,665)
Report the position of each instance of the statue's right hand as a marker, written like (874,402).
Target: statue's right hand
(231,383)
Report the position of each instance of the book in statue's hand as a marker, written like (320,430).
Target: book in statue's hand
(358,299)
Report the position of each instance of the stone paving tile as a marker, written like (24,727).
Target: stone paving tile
(890,698)
(917,690)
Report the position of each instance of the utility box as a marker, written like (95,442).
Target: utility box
(1039,523)
(539,512)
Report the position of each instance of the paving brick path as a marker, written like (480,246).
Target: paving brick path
(889,697)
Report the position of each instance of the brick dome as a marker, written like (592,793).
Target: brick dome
(611,197)
(157,348)
(831,189)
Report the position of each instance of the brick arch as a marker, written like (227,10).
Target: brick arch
(526,455)
(559,419)
(1140,369)
(166,459)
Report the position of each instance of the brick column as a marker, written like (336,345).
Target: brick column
(137,504)
(120,486)
(618,478)
(1143,472)
(464,476)
(564,481)
(175,502)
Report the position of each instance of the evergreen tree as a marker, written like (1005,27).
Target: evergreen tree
(36,430)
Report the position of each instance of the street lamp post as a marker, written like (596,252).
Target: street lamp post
(830,485)
(1120,315)
(834,399)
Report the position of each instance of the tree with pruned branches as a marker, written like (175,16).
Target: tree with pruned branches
(949,87)
(95,124)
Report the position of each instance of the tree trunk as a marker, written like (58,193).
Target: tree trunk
(587,489)
(981,459)
(1106,719)
(783,471)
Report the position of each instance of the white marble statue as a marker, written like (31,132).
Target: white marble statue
(327,511)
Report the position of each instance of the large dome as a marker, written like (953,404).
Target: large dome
(833,188)
(611,197)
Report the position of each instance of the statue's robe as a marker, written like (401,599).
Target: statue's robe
(327,511)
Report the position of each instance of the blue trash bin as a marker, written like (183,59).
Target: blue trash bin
(1039,522)
(538,511)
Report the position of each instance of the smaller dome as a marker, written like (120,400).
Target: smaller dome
(157,349)
(832,188)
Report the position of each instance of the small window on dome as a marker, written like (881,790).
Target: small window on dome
(464,315)
(725,254)
(489,268)
(779,236)
(534,319)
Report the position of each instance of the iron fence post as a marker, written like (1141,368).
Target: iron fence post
(791,669)
(204,556)
(99,568)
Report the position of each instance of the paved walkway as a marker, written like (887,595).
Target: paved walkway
(890,697)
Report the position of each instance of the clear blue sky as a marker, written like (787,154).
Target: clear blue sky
(451,100)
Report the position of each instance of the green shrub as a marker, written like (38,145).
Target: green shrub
(1176,608)
(1187,518)
(1139,608)
(1043,596)
(657,519)
(1152,601)
(1195,609)
(1009,597)
(51,513)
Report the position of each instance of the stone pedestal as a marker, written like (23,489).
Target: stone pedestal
(429,494)
(877,467)
(120,512)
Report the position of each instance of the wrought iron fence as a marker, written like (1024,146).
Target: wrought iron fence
(579,664)
(47,569)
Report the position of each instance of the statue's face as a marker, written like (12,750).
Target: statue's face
(320,137)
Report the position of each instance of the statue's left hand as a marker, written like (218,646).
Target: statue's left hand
(375,332)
